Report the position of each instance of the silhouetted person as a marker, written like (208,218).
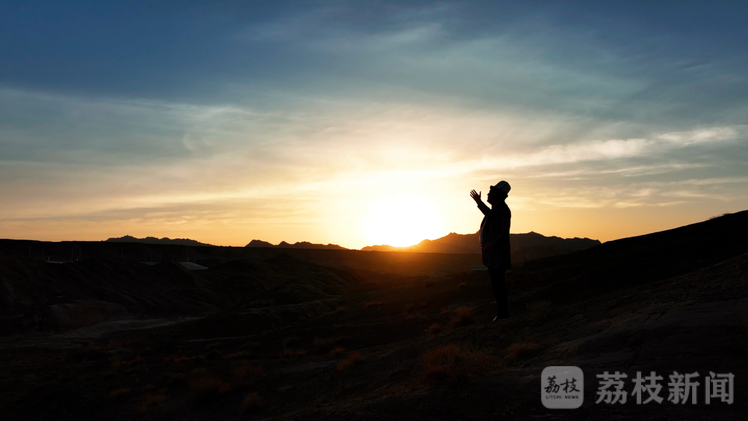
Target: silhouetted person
(494,242)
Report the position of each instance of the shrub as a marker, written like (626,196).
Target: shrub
(451,360)
(207,387)
(116,393)
(291,342)
(539,305)
(538,309)
(177,358)
(171,380)
(250,346)
(154,398)
(291,353)
(522,350)
(428,284)
(199,372)
(463,317)
(252,402)
(434,329)
(336,351)
(353,359)
(396,390)
(323,346)
(236,355)
(213,354)
(462,285)
(248,370)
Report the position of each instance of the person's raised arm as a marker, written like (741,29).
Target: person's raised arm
(482,206)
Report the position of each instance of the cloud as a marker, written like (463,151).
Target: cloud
(705,135)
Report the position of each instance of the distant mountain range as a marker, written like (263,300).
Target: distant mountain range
(524,246)
(154,240)
(298,245)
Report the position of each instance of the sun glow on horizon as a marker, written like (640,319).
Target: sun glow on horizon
(402,221)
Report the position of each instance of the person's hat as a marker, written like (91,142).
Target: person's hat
(502,186)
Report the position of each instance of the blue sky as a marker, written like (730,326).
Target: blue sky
(228,121)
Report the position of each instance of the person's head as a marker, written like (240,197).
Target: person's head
(499,192)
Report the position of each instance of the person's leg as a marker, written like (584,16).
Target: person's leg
(498,282)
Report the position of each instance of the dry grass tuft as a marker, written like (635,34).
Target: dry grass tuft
(173,379)
(213,354)
(237,355)
(251,346)
(435,328)
(539,305)
(452,361)
(396,390)
(177,359)
(538,309)
(292,353)
(353,359)
(522,350)
(375,304)
(199,372)
(116,393)
(109,346)
(428,284)
(323,346)
(463,317)
(291,342)
(252,402)
(719,216)
(208,387)
(246,371)
(409,308)
(155,398)
(462,285)
(336,351)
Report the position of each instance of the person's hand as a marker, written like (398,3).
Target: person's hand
(475,195)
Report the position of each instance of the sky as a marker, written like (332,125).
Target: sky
(360,123)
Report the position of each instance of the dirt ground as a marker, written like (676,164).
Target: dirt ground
(411,347)
(369,357)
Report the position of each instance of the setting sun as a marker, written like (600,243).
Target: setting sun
(402,221)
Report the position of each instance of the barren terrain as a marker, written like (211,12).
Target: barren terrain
(283,337)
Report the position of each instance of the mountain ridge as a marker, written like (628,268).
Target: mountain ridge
(155,240)
(524,247)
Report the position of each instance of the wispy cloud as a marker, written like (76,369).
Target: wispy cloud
(328,106)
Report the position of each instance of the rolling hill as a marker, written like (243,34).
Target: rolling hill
(287,338)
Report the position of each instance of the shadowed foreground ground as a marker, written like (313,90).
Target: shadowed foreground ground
(357,345)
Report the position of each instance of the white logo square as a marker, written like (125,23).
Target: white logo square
(562,387)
